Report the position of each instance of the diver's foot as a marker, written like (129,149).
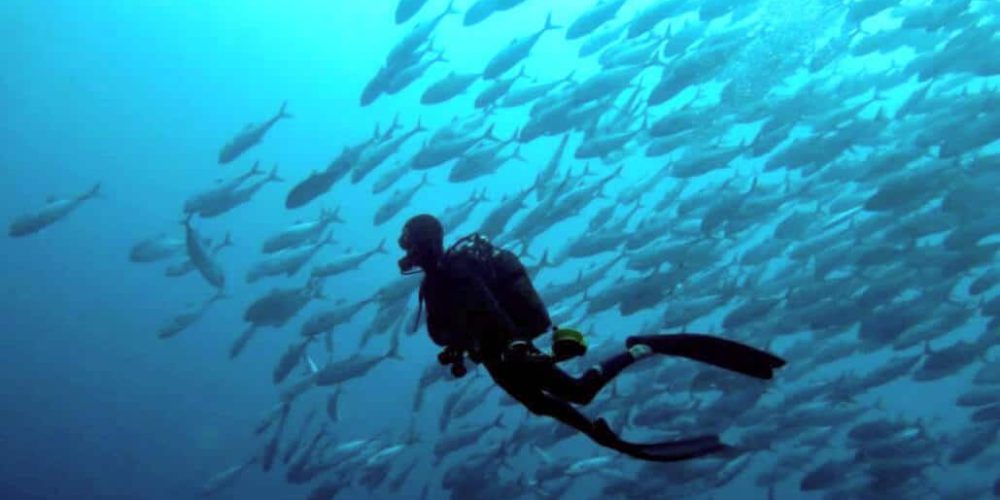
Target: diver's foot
(640,351)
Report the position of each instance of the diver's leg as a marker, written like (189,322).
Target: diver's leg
(599,432)
(582,390)
(523,385)
(522,382)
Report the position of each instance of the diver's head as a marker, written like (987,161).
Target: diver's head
(423,241)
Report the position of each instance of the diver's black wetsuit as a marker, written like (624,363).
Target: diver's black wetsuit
(481,303)
(496,329)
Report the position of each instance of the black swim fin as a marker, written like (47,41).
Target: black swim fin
(712,350)
(666,451)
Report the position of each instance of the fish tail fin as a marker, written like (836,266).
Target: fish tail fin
(549,25)
(393,125)
(546,261)
(255,169)
(94,192)
(393,352)
(498,422)
(450,9)
(226,242)
(327,240)
(273,176)
(420,126)
(381,247)
(513,137)
(489,133)
(282,113)
(334,215)
(569,79)
(516,155)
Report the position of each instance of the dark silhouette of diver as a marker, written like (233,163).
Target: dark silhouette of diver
(481,305)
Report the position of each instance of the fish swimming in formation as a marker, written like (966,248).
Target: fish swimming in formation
(186,267)
(347,262)
(275,309)
(448,87)
(397,202)
(55,210)
(184,320)
(301,232)
(324,321)
(514,53)
(250,136)
(289,360)
(155,249)
(226,478)
(287,262)
(602,12)
(201,258)
(232,198)
(406,9)
(866,225)
(217,195)
(351,368)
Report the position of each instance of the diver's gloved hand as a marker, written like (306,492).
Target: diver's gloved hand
(520,351)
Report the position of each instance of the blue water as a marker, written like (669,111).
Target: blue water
(140,96)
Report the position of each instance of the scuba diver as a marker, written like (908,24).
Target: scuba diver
(481,305)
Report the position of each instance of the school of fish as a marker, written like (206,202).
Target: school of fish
(824,182)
